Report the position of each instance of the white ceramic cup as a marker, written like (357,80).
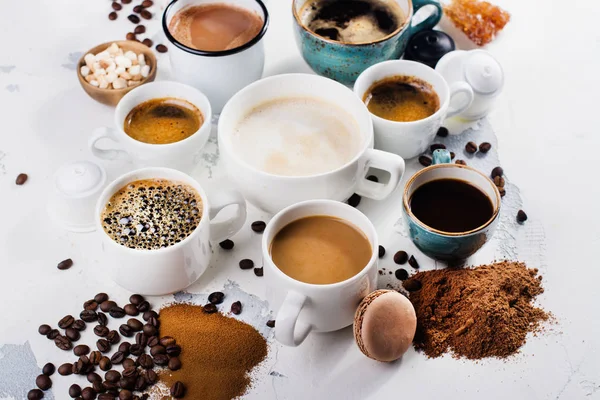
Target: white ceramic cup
(302,307)
(219,74)
(271,192)
(182,155)
(410,139)
(170,269)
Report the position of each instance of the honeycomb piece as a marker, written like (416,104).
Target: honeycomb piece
(479,20)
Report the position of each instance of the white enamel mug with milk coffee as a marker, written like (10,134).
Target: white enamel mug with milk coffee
(173,268)
(218,74)
(303,307)
(273,193)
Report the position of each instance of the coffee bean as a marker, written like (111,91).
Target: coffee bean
(143,306)
(131,310)
(413,262)
(178,390)
(88,315)
(66,322)
(88,393)
(44,329)
(63,343)
(79,325)
(135,324)
(259,271)
(136,349)
(471,147)
(460,162)
(81,349)
(271,323)
(113,15)
(146,361)
(21,179)
(442,131)
(74,390)
(436,146)
(124,347)
(147,42)
(158,349)
(452,155)
(133,18)
(137,9)
(154,322)
(43,382)
(53,334)
(400,257)
(101,330)
(521,216)
(150,330)
(246,264)
(125,1)
(401,274)
(173,350)
(216,297)
(98,387)
(498,171)
(102,319)
(112,376)
(149,314)
(147,3)
(161,48)
(485,147)
(128,384)
(502,191)
(236,308)
(130,373)
(116,6)
(125,395)
(153,341)
(499,181)
(126,330)
(141,339)
(412,285)
(141,383)
(225,244)
(106,396)
(95,357)
(128,362)
(113,337)
(65,369)
(210,308)
(103,345)
(425,161)
(117,358)
(151,377)
(381,251)
(48,369)
(258,226)
(77,367)
(372,178)
(35,394)
(105,306)
(117,312)
(90,305)
(105,364)
(354,200)
(93,377)
(167,341)
(65,264)
(72,334)
(146,14)
(174,364)
(136,299)
(139,29)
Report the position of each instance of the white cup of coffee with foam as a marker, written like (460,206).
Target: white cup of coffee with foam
(295,137)
(217,44)
(156,225)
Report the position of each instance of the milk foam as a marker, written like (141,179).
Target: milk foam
(298,136)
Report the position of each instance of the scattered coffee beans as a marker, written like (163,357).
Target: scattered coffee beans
(95,357)
(521,216)
(216,297)
(161,48)
(425,161)
(502,191)
(485,147)
(499,181)
(246,264)
(139,29)
(471,147)
(43,382)
(101,330)
(21,179)
(146,14)
(258,271)
(236,307)
(258,226)
(48,369)
(63,343)
(178,390)
(498,171)
(105,306)
(271,323)
(102,319)
(137,9)
(133,18)
(442,132)
(412,285)
(147,3)
(135,324)
(116,6)
(90,305)
(460,162)
(149,314)
(66,322)
(174,364)
(65,264)
(112,16)
(131,310)
(354,200)
(65,369)
(113,337)
(400,257)
(227,244)
(103,345)
(88,393)
(53,334)
(35,394)
(81,349)
(401,274)
(436,146)
(44,329)
(381,251)
(147,42)
(210,308)
(412,261)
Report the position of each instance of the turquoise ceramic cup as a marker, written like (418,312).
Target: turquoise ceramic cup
(344,62)
(452,247)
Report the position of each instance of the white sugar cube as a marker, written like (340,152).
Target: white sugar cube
(89,78)
(95,66)
(111,77)
(85,71)
(111,68)
(113,49)
(141,59)
(131,55)
(102,82)
(134,70)
(94,82)
(103,55)
(100,72)
(119,83)
(119,70)
(145,71)
(89,60)
(123,61)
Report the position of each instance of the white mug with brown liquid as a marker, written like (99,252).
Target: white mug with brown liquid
(217,45)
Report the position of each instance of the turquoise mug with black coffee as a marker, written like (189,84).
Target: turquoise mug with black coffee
(344,61)
(453,247)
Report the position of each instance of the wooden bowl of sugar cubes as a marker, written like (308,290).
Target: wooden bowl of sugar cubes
(108,71)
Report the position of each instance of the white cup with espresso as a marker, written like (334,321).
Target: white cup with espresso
(156,225)
(143,134)
(295,137)
(217,44)
(320,260)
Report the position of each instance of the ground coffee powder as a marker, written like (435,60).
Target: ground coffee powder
(481,312)
(218,352)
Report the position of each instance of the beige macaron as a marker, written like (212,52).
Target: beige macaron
(384,325)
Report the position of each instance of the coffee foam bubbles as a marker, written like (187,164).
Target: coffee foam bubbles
(299,136)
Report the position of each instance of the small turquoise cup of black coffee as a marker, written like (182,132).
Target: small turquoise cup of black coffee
(452,247)
(343,62)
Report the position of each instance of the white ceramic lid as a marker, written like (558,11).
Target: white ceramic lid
(79,178)
(483,72)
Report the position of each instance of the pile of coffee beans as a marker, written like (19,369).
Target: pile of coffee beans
(138,367)
(140,10)
(497,176)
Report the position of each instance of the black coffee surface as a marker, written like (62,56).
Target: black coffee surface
(451,205)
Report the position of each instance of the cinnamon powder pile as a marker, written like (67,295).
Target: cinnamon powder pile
(218,352)
(475,313)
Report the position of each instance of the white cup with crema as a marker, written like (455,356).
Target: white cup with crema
(296,137)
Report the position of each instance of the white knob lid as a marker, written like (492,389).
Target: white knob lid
(483,72)
(79,178)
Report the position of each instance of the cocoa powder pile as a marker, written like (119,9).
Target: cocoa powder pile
(218,352)
(475,313)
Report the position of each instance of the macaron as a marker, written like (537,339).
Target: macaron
(384,325)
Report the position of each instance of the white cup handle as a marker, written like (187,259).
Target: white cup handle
(288,330)
(460,88)
(392,163)
(109,154)
(220,231)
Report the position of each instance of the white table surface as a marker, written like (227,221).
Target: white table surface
(547,132)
